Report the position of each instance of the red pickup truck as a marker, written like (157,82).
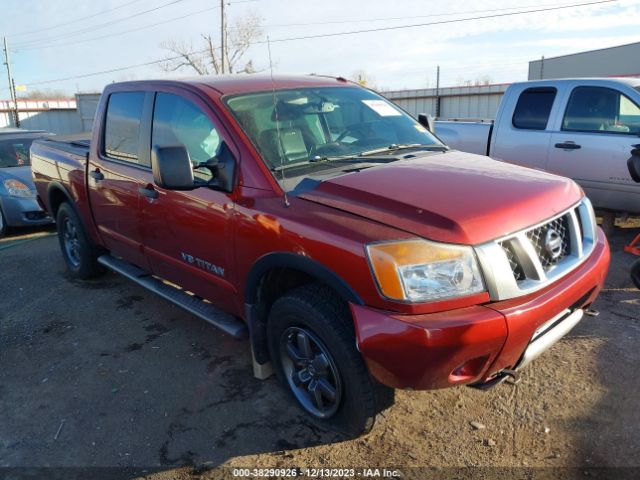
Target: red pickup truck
(354,249)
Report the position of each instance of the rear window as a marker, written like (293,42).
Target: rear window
(122,127)
(14,152)
(533,108)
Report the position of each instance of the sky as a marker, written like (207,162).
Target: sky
(59,39)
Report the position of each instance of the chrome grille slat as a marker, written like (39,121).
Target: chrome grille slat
(532,259)
(518,273)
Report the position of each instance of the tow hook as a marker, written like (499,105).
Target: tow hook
(590,312)
(511,375)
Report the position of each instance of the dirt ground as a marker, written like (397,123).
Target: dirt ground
(105,374)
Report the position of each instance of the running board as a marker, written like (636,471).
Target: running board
(200,308)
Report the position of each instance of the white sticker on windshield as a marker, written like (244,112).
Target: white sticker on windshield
(382,108)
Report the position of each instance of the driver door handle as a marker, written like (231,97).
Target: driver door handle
(568,146)
(96,174)
(148,192)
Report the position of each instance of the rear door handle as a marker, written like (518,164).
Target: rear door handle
(568,146)
(635,150)
(96,174)
(148,191)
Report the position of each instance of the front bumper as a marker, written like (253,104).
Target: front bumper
(23,212)
(472,345)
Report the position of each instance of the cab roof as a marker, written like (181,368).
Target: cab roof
(233,84)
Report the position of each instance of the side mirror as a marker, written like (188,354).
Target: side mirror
(172,168)
(224,171)
(634,167)
(427,122)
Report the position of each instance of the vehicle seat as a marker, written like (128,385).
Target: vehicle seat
(291,145)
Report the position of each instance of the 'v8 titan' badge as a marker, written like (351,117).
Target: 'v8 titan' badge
(203,264)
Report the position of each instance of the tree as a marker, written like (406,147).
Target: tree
(46,94)
(239,37)
(478,82)
(364,79)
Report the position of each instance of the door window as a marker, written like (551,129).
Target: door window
(601,110)
(533,108)
(122,126)
(177,121)
(15,152)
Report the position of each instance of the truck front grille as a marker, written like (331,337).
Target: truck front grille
(531,259)
(538,237)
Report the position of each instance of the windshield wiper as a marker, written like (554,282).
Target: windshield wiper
(316,159)
(406,146)
(359,157)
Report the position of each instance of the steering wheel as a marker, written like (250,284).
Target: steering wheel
(364,129)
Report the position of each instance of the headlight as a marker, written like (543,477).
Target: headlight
(16,188)
(421,271)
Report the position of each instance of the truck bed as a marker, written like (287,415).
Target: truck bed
(75,144)
(472,137)
(60,160)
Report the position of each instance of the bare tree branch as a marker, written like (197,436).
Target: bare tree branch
(239,37)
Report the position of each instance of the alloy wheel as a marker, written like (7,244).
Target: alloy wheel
(310,371)
(71,242)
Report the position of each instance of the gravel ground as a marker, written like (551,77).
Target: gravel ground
(103,373)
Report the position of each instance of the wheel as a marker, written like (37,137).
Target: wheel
(4,228)
(635,273)
(79,253)
(313,351)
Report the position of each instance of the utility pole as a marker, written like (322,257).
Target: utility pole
(12,85)
(222,36)
(438,92)
(542,68)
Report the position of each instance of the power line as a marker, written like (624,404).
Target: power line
(108,35)
(41,43)
(441,22)
(324,35)
(113,70)
(117,34)
(386,19)
(98,26)
(144,27)
(74,21)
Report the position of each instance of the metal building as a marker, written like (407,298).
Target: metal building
(55,116)
(623,60)
(87,106)
(477,102)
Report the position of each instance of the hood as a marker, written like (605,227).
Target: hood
(19,173)
(453,197)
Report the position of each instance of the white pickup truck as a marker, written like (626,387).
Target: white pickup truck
(585,129)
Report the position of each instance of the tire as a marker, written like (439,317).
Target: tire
(79,253)
(334,365)
(4,228)
(635,273)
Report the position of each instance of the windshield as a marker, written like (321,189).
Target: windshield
(14,152)
(307,124)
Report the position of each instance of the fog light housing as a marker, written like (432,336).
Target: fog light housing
(469,370)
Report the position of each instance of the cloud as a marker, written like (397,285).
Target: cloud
(498,47)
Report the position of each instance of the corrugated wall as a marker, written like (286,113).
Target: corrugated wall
(623,60)
(480,102)
(87,105)
(60,122)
